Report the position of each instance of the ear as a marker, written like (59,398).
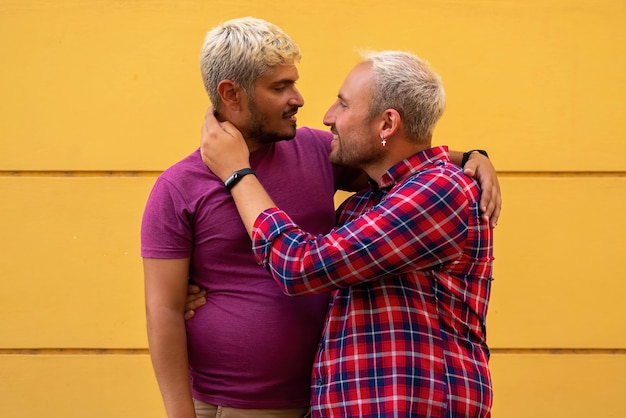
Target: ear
(390,123)
(230,94)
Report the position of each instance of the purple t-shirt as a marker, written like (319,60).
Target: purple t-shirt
(250,346)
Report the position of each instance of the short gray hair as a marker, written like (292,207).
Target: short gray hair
(242,50)
(406,83)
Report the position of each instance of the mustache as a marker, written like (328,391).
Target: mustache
(290,112)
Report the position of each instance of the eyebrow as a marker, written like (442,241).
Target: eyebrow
(283,81)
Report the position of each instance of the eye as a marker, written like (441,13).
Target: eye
(341,103)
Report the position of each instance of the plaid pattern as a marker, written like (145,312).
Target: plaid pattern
(411,281)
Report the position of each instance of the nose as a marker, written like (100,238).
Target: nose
(329,117)
(297,99)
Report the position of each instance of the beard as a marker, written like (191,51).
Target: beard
(359,156)
(256,127)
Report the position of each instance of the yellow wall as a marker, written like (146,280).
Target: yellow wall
(97,97)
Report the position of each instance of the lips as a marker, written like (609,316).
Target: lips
(290,114)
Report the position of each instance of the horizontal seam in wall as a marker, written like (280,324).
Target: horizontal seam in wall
(70,173)
(72,351)
(154,173)
(577,351)
(143,351)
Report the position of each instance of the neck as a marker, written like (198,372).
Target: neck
(396,153)
(223,115)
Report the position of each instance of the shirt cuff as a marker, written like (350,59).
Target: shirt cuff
(270,224)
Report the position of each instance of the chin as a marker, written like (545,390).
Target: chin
(271,137)
(287,134)
(335,158)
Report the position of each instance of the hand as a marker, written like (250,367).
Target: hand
(480,167)
(223,148)
(196,297)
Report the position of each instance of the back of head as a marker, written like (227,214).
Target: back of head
(242,50)
(406,83)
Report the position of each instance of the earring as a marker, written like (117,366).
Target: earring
(383,140)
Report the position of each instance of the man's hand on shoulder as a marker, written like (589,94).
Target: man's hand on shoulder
(480,167)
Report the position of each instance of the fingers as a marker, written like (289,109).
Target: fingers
(487,203)
(193,302)
(495,215)
(196,297)
(211,123)
(469,170)
(481,168)
(188,315)
(495,205)
(192,289)
(491,203)
(209,119)
(191,297)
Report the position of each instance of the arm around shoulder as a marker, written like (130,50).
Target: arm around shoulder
(476,164)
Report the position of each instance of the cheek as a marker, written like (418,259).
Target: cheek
(345,124)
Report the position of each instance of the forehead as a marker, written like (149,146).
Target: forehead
(358,82)
(279,74)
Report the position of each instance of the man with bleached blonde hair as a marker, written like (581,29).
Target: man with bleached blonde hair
(409,266)
(242,50)
(249,352)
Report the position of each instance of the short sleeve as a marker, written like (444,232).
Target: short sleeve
(166,230)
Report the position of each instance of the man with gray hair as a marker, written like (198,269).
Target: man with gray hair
(249,352)
(409,267)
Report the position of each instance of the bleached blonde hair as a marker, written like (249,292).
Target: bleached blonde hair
(242,50)
(406,83)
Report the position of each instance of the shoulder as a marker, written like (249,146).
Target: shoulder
(188,177)
(445,182)
(181,170)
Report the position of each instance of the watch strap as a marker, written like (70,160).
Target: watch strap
(234,178)
(466,155)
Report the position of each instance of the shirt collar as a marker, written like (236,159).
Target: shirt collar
(414,164)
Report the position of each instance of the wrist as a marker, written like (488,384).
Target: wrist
(468,154)
(234,178)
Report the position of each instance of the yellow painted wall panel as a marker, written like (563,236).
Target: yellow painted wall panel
(559,385)
(115,85)
(70,263)
(559,279)
(78,386)
(525,385)
(80,263)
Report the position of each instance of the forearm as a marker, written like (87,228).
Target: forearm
(168,352)
(361,250)
(251,199)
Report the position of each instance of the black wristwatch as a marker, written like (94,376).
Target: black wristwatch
(236,176)
(467,154)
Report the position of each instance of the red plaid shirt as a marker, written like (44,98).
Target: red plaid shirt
(410,269)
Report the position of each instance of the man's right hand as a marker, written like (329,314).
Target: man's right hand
(196,297)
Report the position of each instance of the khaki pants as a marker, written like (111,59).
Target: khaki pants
(205,410)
